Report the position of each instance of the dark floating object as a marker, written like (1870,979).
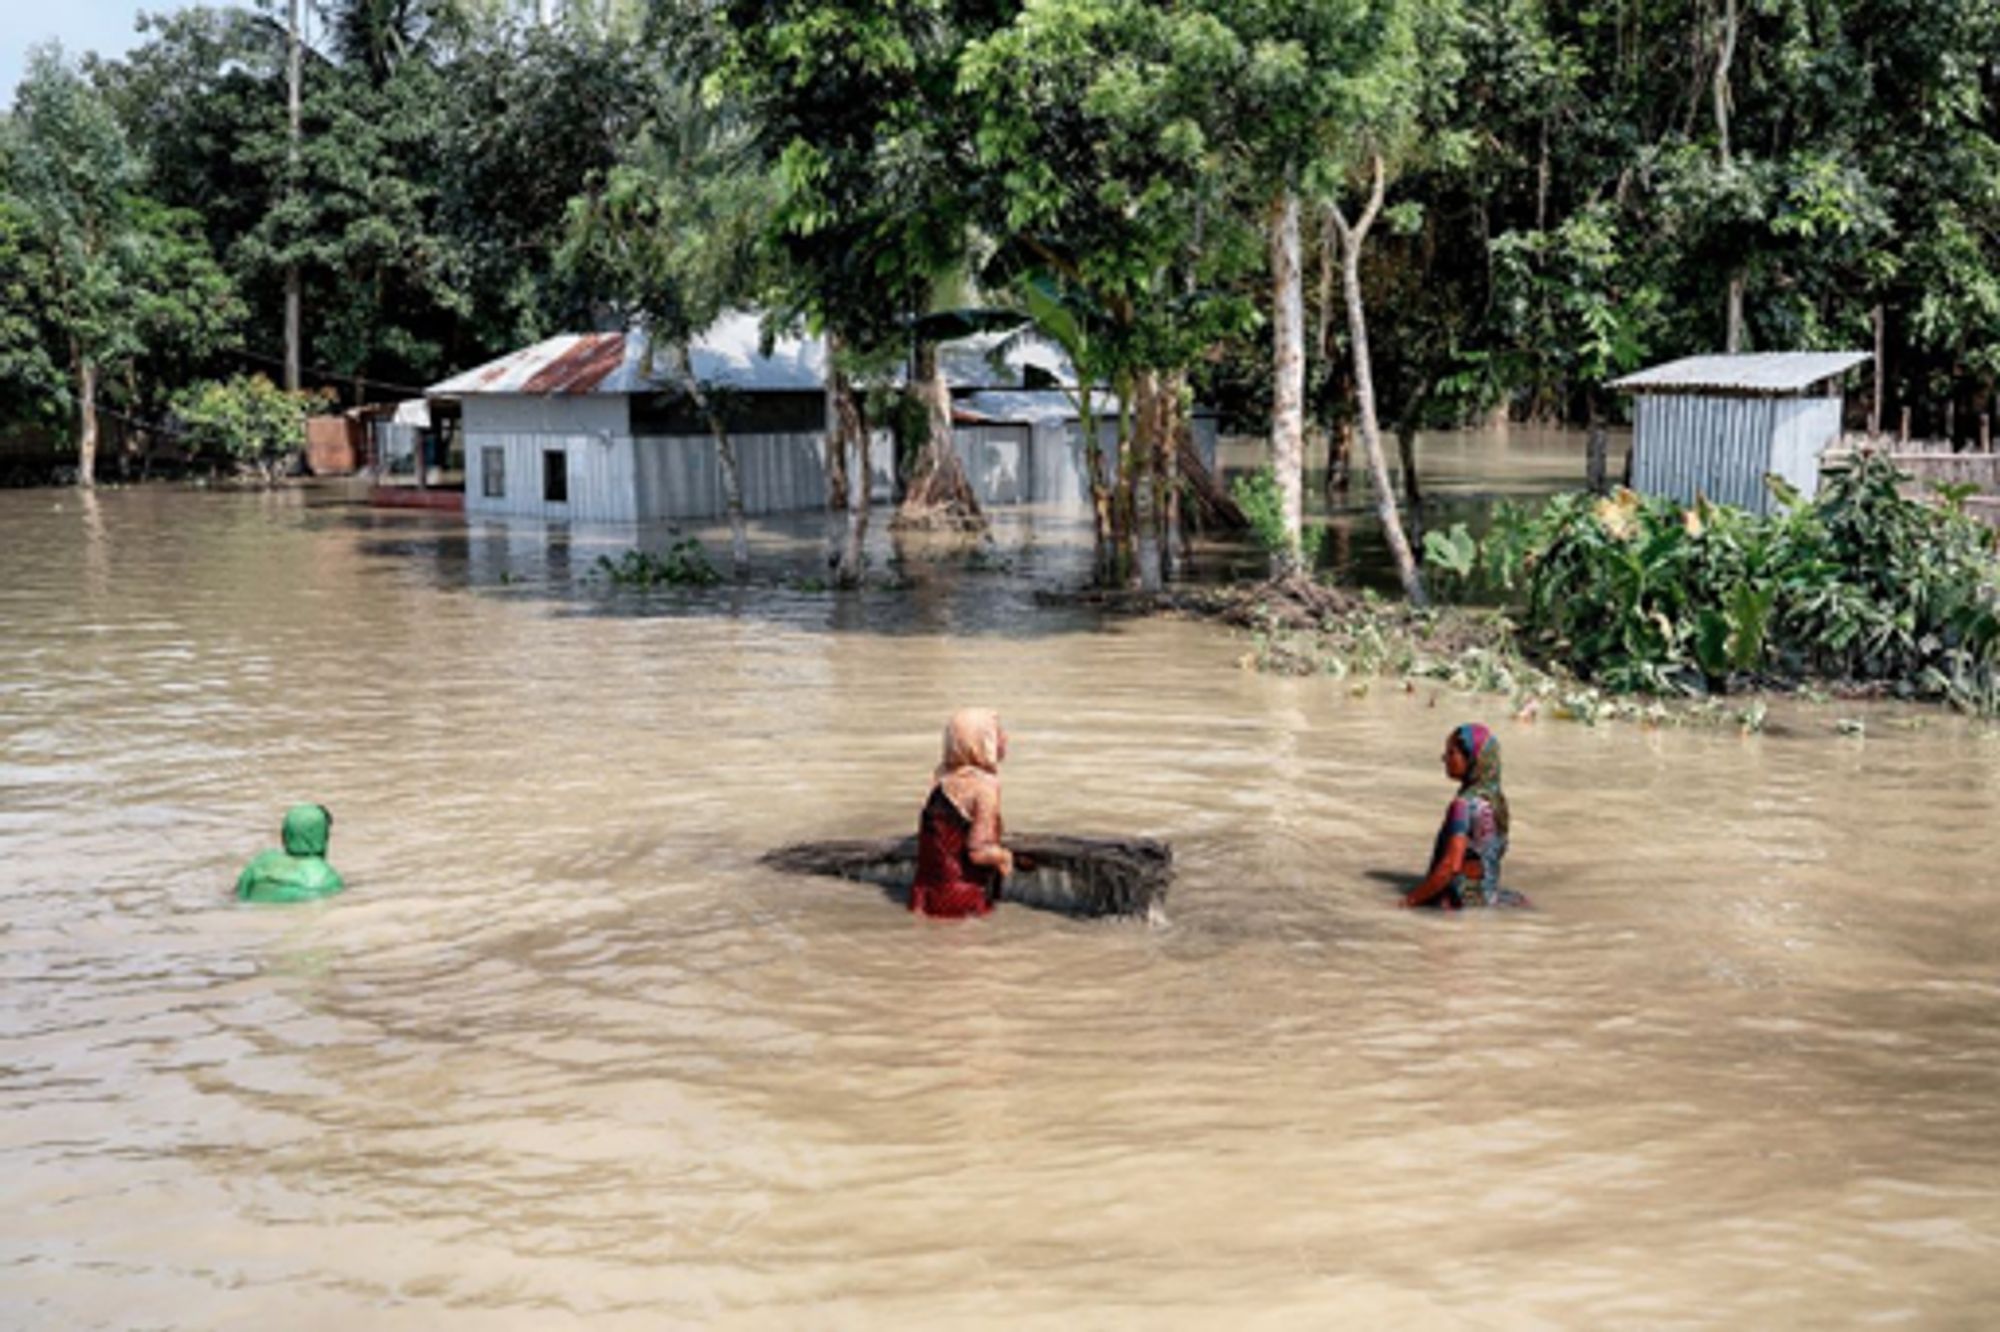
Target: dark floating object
(1077,876)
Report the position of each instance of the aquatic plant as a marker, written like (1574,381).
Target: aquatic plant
(1861,585)
(685,564)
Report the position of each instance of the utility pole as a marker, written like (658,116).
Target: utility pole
(293,60)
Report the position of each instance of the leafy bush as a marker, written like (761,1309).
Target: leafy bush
(1861,584)
(249,419)
(1451,558)
(1257,495)
(685,564)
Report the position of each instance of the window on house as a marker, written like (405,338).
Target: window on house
(493,473)
(555,476)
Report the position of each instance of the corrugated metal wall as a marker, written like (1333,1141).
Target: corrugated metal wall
(1807,427)
(598,468)
(1041,463)
(997,459)
(1721,447)
(680,477)
(617,479)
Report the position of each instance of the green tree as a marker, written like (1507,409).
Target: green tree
(673,237)
(116,271)
(874,157)
(248,419)
(1110,196)
(360,218)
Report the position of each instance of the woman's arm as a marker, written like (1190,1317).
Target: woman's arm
(983,841)
(1447,861)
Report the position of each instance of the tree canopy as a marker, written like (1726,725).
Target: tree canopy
(1570,189)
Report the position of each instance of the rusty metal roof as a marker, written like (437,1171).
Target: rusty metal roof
(728,355)
(1755,374)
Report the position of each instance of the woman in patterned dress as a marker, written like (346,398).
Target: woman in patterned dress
(1465,864)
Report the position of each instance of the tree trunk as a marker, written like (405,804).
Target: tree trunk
(854,434)
(1100,485)
(1329,268)
(1173,420)
(1288,378)
(1542,180)
(86,421)
(1125,540)
(732,497)
(1339,462)
(725,452)
(293,299)
(1719,89)
(1145,481)
(938,494)
(1210,506)
(1596,462)
(1406,447)
(835,451)
(1406,458)
(1725,52)
(1875,405)
(1351,240)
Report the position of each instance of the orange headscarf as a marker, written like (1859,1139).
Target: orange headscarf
(971,757)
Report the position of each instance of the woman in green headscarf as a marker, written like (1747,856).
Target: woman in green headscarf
(299,873)
(1465,863)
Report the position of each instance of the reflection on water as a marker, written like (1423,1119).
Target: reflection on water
(566,1053)
(1462,474)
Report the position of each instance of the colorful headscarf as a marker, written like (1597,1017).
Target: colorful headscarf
(971,756)
(1482,775)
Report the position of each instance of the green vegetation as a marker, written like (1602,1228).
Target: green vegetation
(249,420)
(1258,496)
(1862,586)
(684,564)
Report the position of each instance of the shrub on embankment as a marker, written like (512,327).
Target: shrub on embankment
(1861,586)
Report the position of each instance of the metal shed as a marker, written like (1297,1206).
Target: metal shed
(1715,426)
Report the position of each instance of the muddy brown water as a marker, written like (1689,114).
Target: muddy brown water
(566,1055)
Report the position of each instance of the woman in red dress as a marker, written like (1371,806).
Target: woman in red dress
(960,861)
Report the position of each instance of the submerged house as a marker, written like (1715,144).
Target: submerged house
(597,427)
(1716,426)
(1018,425)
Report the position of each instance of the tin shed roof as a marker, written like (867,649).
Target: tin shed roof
(970,361)
(728,355)
(1753,374)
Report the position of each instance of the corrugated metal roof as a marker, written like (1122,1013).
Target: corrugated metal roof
(1752,373)
(1001,406)
(728,355)
(970,361)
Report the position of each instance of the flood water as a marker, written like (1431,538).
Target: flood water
(565,1055)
